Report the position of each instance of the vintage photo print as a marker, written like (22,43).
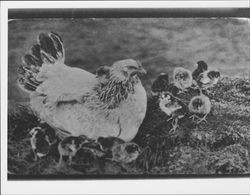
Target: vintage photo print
(135,94)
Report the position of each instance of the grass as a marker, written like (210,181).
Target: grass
(221,146)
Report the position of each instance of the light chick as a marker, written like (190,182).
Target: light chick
(40,142)
(172,107)
(125,153)
(182,78)
(200,107)
(70,145)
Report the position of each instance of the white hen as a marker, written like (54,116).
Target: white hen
(76,102)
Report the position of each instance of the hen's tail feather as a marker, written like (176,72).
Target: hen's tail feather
(49,50)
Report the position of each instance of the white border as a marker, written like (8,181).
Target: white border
(174,186)
(127,4)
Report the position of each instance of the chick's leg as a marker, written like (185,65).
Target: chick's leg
(60,162)
(202,119)
(70,159)
(193,117)
(174,125)
(35,155)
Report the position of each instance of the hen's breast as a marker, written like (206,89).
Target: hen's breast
(132,113)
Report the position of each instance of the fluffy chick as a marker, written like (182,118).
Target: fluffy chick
(70,145)
(119,151)
(125,153)
(200,107)
(182,78)
(173,107)
(40,142)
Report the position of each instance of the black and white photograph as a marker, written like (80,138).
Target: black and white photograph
(137,94)
(128,96)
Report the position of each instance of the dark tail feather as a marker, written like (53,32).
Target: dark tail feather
(36,52)
(49,50)
(52,48)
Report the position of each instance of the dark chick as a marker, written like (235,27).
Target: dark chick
(160,84)
(94,148)
(40,142)
(107,143)
(173,107)
(201,67)
(70,145)
(200,107)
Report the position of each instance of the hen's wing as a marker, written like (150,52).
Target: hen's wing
(63,83)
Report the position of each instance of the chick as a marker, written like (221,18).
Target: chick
(200,107)
(201,67)
(119,151)
(94,148)
(103,74)
(70,145)
(172,107)
(208,79)
(107,143)
(160,84)
(40,142)
(182,78)
(125,153)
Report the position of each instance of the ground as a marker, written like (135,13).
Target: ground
(219,147)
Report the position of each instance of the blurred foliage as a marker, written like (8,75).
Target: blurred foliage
(159,43)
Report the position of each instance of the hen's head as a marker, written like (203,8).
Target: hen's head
(124,70)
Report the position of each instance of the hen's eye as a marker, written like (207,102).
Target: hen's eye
(132,67)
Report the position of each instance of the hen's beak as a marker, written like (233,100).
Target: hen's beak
(140,70)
